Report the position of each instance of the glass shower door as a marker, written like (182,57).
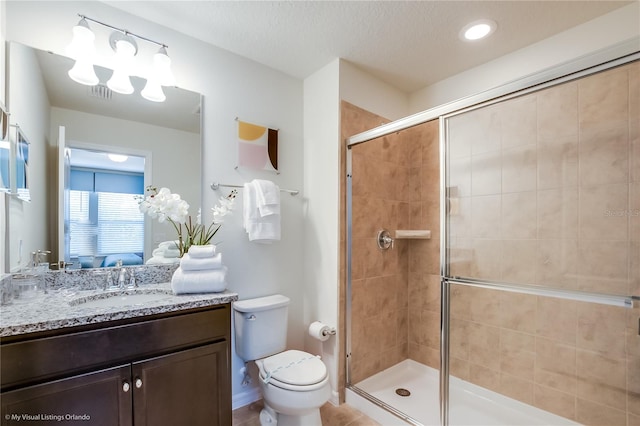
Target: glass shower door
(543,255)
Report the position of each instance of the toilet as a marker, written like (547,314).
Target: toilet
(294,384)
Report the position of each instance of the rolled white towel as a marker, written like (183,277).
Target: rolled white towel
(169,253)
(210,281)
(169,244)
(190,263)
(202,251)
(161,260)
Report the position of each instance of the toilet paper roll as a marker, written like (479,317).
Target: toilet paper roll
(319,331)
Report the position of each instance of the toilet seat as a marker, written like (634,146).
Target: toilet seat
(293,370)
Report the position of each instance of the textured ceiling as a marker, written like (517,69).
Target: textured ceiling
(408,44)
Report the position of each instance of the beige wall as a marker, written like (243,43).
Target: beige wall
(548,194)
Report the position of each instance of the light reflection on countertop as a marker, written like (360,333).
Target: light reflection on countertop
(64,307)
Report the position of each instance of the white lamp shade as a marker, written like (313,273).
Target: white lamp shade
(83,73)
(81,45)
(120,81)
(153,91)
(162,68)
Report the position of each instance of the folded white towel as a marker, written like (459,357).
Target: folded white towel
(161,260)
(190,263)
(202,251)
(264,229)
(211,281)
(171,253)
(267,197)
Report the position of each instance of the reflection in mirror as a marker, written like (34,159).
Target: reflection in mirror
(105,222)
(57,112)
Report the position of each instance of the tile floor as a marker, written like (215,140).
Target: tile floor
(343,415)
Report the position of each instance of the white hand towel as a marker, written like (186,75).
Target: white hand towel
(168,244)
(202,251)
(211,281)
(267,197)
(190,263)
(263,229)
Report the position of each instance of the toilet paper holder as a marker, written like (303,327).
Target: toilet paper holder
(330,332)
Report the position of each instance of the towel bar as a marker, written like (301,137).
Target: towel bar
(216,185)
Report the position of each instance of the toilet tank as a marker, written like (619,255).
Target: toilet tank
(260,326)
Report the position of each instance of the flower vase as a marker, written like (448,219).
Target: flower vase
(200,271)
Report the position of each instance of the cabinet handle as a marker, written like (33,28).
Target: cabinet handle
(138,382)
(126,386)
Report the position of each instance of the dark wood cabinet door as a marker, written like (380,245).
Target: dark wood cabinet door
(189,387)
(102,398)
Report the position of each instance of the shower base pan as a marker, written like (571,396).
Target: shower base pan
(468,404)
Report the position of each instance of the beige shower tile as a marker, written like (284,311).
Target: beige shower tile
(557,263)
(461,300)
(391,147)
(603,98)
(485,306)
(459,339)
(634,268)
(633,385)
(519,119)
(374,258)
(558,111)
(519,215)
(601,379)
(517,388)
(484,345)
(601,328)
(485,124)
(591,413)
(358,251)
(431,329)
(558,162)
(633,420)
(557,213)
(460,222)
(604,154)
(634,89)
(486,219)
(431,293)
(486,174)
(634,150)
(487,256)
(400,185)
(518,261)
(459,368)
(603,266)
(556,365)
(461,136)
(518,312)
(517,354)
(460,257)
(367,216)
(557,319)
(519,169)
(485,377)
(414,184)
(603,212)
(560,403)
(460,176)
(634,211)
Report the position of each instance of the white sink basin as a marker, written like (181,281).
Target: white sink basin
(119,299)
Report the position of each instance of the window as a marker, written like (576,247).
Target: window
(104,214)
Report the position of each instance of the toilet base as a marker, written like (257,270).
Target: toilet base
(268,417)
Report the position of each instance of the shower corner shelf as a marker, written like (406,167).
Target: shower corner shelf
(412,234)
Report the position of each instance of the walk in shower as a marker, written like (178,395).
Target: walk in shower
(493,255)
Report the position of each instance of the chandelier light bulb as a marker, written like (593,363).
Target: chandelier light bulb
(83,73)
(82,50)
(162,68)
(120,79)
(153,91)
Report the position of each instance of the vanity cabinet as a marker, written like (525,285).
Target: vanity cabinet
(167,369)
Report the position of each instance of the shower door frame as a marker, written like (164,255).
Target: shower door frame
(613,56)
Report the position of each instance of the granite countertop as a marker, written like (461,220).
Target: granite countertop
(64,307)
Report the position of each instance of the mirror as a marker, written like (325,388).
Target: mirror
(53,111)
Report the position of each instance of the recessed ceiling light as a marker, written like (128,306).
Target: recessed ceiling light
(118,158)
(478,29)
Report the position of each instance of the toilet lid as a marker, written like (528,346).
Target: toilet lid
(294,368)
